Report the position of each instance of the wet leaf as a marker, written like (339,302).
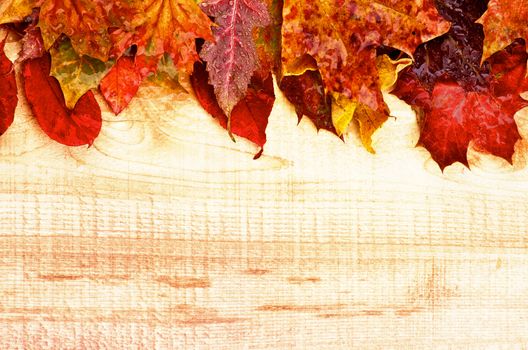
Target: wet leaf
(76,74)
(455,113)
(164,26)
(388,70)
(85,22)
(343,110)
(12,11)
(504,21)
(32,43)
(369,121)
(268,39)
(232,58)
(342,36)
(249,117)
(121,84)
(71,127)
(306,92)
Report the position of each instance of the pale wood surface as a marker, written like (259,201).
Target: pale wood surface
(167,235)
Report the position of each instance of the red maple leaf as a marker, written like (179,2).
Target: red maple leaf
(459,100)
(452,116)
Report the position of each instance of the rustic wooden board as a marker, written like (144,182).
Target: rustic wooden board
(165,234)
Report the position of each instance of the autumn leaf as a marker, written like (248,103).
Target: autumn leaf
(85,22)
(76,127)
(267,39)
(232,58)
(76,73)
(32,43)
(342,37)
(8,90)
(334,112)
(458,100)
(458,117)
(164,26)
(306,92)
(121,83)
(167,75)
(504,21)
(343,111)
(455,56)
(249,117)
(455,113)
(388,70)
(12,11)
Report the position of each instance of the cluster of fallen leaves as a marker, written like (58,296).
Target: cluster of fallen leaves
(461,64)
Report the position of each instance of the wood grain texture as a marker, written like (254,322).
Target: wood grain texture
(165,234)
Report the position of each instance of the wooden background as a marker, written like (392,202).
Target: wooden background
(167,235)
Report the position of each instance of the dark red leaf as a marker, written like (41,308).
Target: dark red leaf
(508,69)
(452,116)
(8,90)
(249,117)
(121,84)
(306,92)
(459,100)
(76,127)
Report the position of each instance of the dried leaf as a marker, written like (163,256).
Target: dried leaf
(85,22)
(388,70)
(249,117)
(306,93)
(164,26)
(76,127)
(232,58)
(76,74)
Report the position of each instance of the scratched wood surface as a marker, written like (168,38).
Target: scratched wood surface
(167,235)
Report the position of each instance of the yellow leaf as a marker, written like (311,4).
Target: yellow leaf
(343,110)
(369,121)
(388,70)
(300,66)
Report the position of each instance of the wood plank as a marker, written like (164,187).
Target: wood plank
(165,234)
